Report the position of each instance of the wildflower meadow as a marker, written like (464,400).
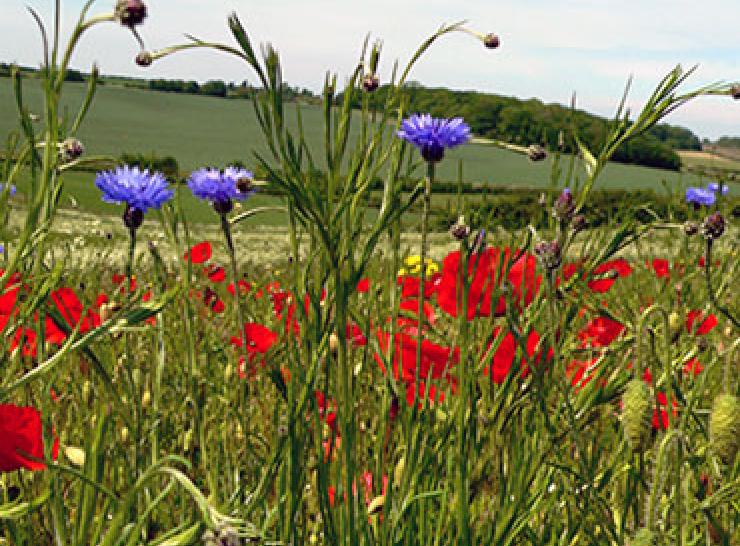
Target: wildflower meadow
(384,381)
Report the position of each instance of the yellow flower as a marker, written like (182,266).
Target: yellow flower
(412,266)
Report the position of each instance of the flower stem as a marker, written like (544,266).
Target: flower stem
(226,228)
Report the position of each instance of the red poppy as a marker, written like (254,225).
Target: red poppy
(484,269)
(661,267)
(581,372)
(355,335)
(215,273)
(363,286)
(25,339)
(408,319)
(610,271)
(503,358)
(71,310)
(199,254)
(244,287)
(436,360)
(259,338)
(327,410)
(410,285)
(692,367)
(600,332)
(705,324)
(213,302)
(22,439)
(661,418)
(118,279)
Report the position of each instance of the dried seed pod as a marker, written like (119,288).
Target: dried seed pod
(636,414)
(724,427)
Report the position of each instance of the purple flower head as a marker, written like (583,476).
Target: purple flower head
(700,196)
(11,190)
(140,190)
(221,187)
(722,189)
(433,135)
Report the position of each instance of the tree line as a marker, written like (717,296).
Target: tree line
(531,121)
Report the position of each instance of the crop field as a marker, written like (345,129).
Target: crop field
(183,364)
(200,131)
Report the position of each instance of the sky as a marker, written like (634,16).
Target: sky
(549,50)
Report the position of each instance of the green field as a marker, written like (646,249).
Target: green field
(200,131)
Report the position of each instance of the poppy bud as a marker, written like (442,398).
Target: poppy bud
(636,414)
(376,505)
(713,226)
(130,13)
(644,537)
(333,342)
(187,440)
(675,323)
(724,427)
(132,218)
(370,82)
(71,149)
(124,435)
(535,152)
(146,399)
(398,472)
(75,455)
(491,41)
(144,59)
(86,392)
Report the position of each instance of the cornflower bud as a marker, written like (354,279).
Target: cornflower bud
(491,41)
(713,226)
(636,413)
(460,230)
(71,149)
(724,427)
(549,254)
(132,218)
(370,82)
(130,13)
(564,205)
(535,152)
(579,223)
(144,59)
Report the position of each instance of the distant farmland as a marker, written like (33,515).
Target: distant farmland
(201,130)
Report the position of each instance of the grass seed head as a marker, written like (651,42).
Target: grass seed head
(636,414)
(724,427)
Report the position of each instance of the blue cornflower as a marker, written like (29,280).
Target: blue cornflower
(11,190)
(700,196)
(721,188)
(433,135)
(221,188)
(140,190)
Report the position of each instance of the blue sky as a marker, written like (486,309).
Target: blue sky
(549,49)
